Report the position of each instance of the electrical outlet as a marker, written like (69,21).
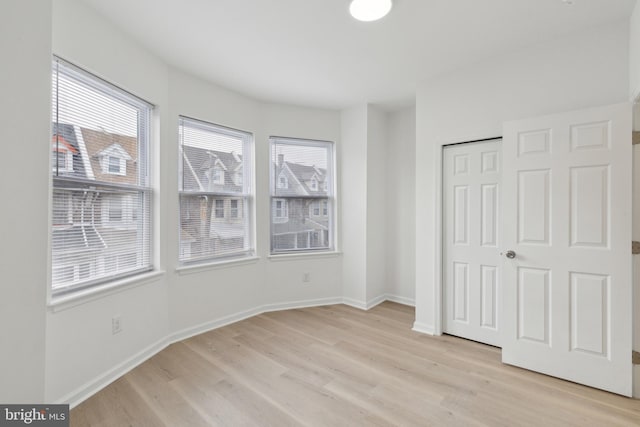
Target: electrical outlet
(116,324)
(306,277)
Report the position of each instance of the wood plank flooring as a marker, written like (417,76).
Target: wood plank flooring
(339,366)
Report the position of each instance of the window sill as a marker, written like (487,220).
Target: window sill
(303,256)
(215,265)
(84,296)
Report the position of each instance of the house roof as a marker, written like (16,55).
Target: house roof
(302,175)
(197,166)
(88,146)
(68,137)
(99,143)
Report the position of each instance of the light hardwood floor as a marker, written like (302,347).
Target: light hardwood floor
(339,366)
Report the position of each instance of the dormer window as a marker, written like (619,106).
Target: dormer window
(114,165)
(283,182)
(314,184)
(64,161)
(62,154)
(218,176)
(113,160)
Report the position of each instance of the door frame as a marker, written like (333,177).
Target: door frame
(439,232)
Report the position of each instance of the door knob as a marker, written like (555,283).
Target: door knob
(509,254)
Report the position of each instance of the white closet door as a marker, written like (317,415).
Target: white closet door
(471,202)
(567,293)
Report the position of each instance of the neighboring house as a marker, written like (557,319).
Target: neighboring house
(300,207)
(94,230)
(215,222)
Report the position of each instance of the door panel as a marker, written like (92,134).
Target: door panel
(567,215)
(471,192)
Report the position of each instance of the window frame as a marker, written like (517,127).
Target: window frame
(330,198)
(143,188)
(245,199)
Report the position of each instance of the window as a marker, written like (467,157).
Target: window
(218,176)
(234,208)
(219,208)
(215,193)
(115,210)
(280,210)
(316,208)
(114,165)
(92,118)
(301,220)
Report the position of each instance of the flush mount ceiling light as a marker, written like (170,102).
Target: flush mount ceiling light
(369,10)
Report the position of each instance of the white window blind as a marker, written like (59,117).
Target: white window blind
(101,221)
(302,177)
(215,191)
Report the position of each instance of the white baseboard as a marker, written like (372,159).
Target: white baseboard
(300,304)
(401,300)
(92,387)
(636,381)
(423,328)
(376,301)
(213,324)
(362,305)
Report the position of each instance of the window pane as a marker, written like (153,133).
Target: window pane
(101,202)
(215,167)
(293,228)
(301,188)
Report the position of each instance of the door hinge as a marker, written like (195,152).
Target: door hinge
(635,248)
(635,357)
(636,137)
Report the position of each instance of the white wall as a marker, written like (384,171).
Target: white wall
(579,71)
(81,353)
(368,160)
(354,203)
(81,349)
(377,175)
(634,53)
(25,108)
(400,205)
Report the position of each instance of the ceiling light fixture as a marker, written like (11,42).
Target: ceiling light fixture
(369,10)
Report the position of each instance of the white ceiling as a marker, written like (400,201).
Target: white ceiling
(311,52)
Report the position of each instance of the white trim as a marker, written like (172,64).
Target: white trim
(376,301)
(636,382)
(361,305)
(411,302)
(90,388)
(303,256)
(216,265)
(214,324)
(267,308)
(424,328)
(437,233)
